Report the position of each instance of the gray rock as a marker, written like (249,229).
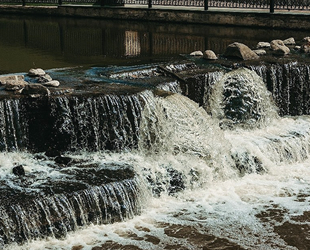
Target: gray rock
(53,83)
(260,52)
(13,82)
(263,45)
(306,39)
(289,41)
(44,78)
(35,90)
(36,72)
(209,55)
(305,48)
(11,78)
(13,86)
(279,48)
(241,51)
(196,53)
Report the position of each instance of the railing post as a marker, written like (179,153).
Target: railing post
(59,2)
(150,4)
(271,6)
(24,2)
(206,5)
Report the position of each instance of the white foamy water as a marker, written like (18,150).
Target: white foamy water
(244,188)
(223,208)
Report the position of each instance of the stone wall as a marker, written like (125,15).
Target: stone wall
(219,17)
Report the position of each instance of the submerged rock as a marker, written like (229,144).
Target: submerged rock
(241,51)
(64,160)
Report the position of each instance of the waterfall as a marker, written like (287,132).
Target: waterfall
(94,123)
(52,201)
(13,126)
(289,84)
(188,146)
(57,215)
(125,152)
(70,123)
(240,99)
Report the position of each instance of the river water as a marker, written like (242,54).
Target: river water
(55,43)
(235,177)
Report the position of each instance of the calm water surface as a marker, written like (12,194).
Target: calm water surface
(55,43)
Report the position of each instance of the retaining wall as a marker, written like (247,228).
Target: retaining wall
(287,20)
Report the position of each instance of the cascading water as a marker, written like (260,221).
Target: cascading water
(104,122)
(12,132)
(234,176)
(240,98)
(289,84)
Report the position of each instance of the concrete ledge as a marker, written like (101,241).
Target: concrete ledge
(250,18)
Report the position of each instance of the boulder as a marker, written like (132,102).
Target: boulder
(13,86)
(279,48)
(209,55)
(11,78)
(306,39)
(263,45)
(35,90)
(13,82)
(19,170)
(196,53)
(241,51)
(53,83)
(63,160)
(260,52)
(289,41)
(44,78)
(305,48)
(36,72)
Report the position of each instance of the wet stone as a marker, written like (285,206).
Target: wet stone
(35,90)
(63,160)
(296,235)
(36,72)
(19,170)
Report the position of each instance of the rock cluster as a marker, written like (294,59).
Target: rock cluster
(241,51)
(13,82)
(36,86)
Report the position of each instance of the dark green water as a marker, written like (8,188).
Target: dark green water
(27,42)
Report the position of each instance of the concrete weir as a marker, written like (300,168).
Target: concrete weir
(235,17)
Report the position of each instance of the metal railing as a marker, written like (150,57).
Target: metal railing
(242,4)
